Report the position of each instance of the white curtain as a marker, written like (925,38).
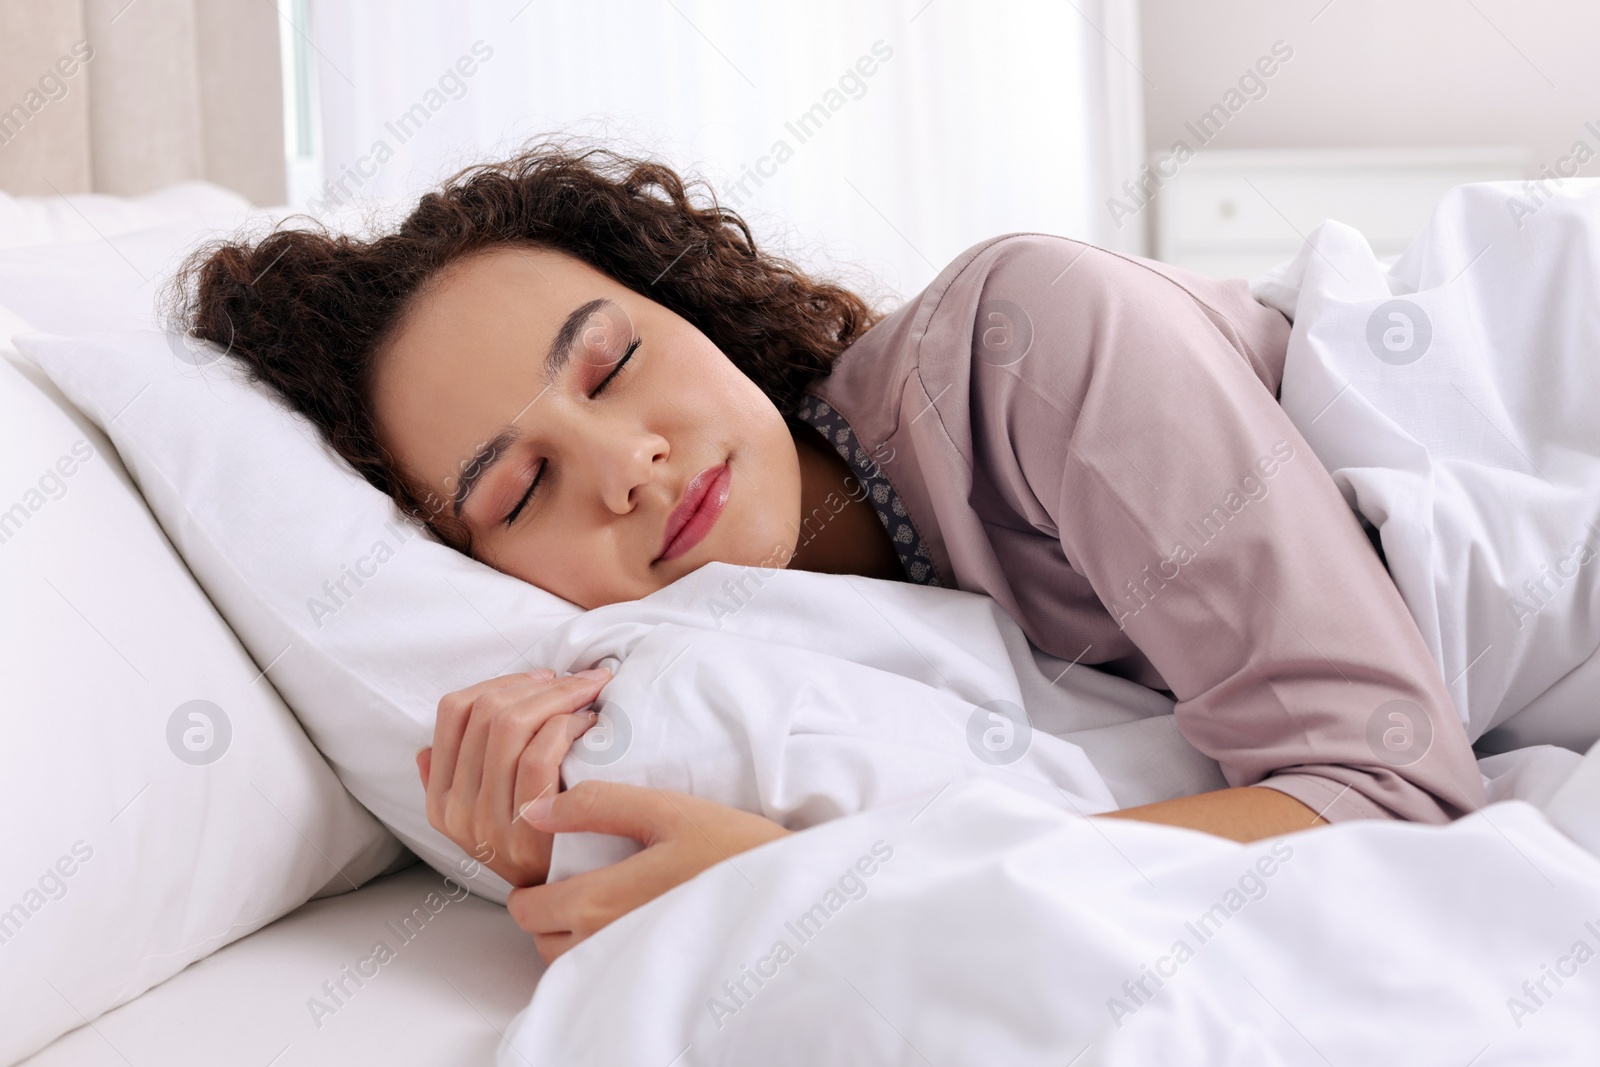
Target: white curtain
(874,142)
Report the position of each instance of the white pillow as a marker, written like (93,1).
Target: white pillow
(114,280)
(363,620)
(160,801)
(40,220)
(113,284)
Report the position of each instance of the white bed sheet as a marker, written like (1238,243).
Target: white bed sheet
(444,998)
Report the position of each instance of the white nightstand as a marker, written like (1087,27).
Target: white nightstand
(1235,214)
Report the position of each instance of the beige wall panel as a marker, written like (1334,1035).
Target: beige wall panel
(144,114)
(47,149)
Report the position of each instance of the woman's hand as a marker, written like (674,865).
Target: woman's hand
(682,836)
(498,747)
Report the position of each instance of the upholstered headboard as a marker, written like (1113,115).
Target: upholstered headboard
(126,96)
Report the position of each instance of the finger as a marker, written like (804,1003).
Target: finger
(548,909)
(561,914)
(552,946)
(424,762)
(488,713)
(538,773)
(450,724)
(509,735)
(606,808)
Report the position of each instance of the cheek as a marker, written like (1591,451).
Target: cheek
(717,394)
(772,481)
(582,570)
(747,412)
(712,391)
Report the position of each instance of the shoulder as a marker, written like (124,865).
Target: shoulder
(991,301)
(1049,267)
(1000,297)
(1025,276)
(1005,280)
(1021,265)
(1007,292)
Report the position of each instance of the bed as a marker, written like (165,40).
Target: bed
(446,998)
(228,868)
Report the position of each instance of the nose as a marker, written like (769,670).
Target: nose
(623,462)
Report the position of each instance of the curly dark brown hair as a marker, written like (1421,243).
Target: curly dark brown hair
(306,310)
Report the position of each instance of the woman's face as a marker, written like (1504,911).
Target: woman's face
(510,394)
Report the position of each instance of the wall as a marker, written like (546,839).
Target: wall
(49,148)
(1368,73)
(175,90)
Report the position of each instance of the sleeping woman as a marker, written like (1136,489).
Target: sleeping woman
(586,375)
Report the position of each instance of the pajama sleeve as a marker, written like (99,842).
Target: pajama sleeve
(1141,429)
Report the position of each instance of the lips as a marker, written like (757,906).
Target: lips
(703,500)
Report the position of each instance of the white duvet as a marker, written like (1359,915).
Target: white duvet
(980,926)
(1453,396)
(803,708)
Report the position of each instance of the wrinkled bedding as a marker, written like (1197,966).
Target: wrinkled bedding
(1453,395)
(980,925)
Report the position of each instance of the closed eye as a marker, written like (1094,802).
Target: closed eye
(627,356)
(623,362)
(527,496)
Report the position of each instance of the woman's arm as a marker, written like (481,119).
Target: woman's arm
(684,835)
(1248,813)
(1141,432)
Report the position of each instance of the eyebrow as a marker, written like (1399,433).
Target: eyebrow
(555,361)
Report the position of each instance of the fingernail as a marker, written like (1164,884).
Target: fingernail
(538,809)
(543,674)
(594,672)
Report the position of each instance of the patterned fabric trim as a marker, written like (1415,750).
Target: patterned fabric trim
(826,420)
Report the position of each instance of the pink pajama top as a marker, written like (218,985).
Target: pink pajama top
(1094,441)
